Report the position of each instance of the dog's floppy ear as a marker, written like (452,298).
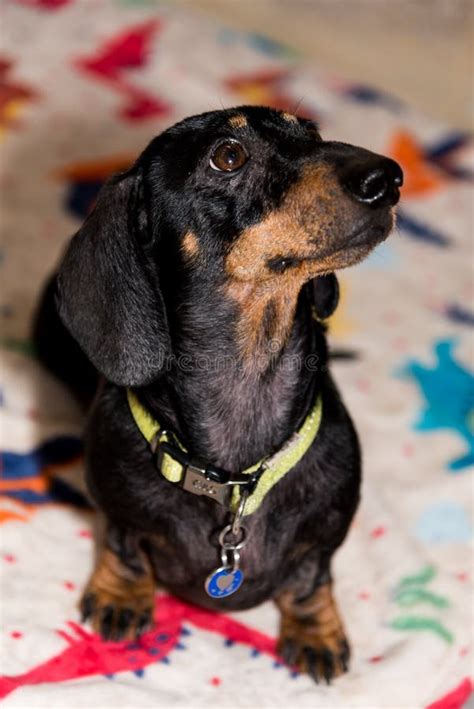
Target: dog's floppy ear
(108,293)
(325,295)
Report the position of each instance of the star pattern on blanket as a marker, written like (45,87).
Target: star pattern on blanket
(448,393)
(427,170)
(87,654)
(127,50)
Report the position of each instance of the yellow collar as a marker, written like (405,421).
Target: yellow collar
(176,466)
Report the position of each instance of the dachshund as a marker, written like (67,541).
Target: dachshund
(188,315)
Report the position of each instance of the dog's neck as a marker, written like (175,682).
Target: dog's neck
(231,407)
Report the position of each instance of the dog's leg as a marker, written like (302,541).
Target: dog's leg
(312,637)
(119,598)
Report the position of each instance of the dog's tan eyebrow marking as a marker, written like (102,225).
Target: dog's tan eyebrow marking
(238,121)
(289,117)
(190,246)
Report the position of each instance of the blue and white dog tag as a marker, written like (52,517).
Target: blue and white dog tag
(228,578)
(224,582)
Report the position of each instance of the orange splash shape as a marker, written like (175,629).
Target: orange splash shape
(420,177)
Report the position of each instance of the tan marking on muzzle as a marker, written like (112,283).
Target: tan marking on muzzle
(303,227)
(306,214)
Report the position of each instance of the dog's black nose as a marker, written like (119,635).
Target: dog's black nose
(374,183)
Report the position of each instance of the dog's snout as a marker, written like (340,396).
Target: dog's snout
(375,183)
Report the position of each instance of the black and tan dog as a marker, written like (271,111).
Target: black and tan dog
(192,289)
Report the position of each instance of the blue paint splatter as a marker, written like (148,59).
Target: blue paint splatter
(368,95)
(448,392)
(443,155)
(52,452)
(421,231)
(269,47)
(446,145)
(260,43)
(19,468)
(458,314)
(444,522)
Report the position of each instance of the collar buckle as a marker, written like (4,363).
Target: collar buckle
(197,480)
(201,479)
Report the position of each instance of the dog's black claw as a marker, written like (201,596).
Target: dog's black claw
(87,607)
(345,655)
(106,623)
(311,657)
(124,620)
(327,659)
(289,652)
(144,621)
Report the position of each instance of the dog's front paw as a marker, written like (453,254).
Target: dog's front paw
(320,656)
(312,637)
(117,604)
(116,618)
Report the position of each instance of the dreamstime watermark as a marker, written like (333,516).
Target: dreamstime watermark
(272,359)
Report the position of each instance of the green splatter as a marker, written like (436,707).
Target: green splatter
(407,597)
(426,575)
(17,345)
(415,622)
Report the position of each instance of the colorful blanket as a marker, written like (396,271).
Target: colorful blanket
(84,86)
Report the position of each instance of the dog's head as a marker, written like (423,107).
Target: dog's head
(249,201)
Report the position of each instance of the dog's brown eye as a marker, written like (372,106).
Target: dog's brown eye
(228,156)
